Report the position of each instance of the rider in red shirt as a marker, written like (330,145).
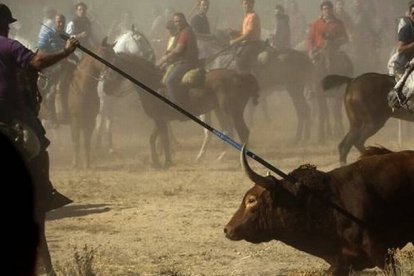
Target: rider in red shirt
(184,57)
(327,33)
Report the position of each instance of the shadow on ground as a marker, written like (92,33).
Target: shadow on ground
(74,210)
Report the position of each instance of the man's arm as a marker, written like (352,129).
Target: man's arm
(403,46)
(249,31)
(41,60)
(44,40)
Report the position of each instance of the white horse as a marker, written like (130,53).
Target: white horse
(132,42)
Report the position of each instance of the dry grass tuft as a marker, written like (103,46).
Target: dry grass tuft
(81,263)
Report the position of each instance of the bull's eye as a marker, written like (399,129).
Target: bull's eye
(251,201)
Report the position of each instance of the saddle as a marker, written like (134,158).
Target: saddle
(195,78)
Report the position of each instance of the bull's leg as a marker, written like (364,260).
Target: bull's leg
(207,136)
(154,156)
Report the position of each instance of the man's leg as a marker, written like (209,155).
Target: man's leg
(173,82)
(47,197)
(245,60)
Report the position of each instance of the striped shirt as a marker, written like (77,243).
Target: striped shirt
(50,41)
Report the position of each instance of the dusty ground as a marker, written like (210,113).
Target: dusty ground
(136,220)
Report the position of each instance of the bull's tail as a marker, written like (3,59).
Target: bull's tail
(371,151)
(333,81)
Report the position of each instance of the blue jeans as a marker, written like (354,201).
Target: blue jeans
(175,90)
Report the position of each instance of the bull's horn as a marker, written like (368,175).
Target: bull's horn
(253,176)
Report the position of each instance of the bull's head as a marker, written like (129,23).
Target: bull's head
(261,210)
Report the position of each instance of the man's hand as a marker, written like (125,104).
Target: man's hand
(71,45)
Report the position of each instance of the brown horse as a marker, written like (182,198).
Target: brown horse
(367,108)
(289,70)
(83,101)
(225,91)
(337,63)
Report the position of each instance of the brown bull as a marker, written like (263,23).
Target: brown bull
(378,190)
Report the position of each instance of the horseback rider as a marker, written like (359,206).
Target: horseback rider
(81,27)
(201,27)
(326,35)
(280,39)
(405,48)
(58,75)
(183,57)
(16,115)
(248,41)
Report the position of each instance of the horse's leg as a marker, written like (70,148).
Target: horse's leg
(302,111)
(367,131)
(154,155)
(173,139)
(337,112)
(225,125)
(75,131)
(98,130)
(346,144)
(44,253)
(323,113)
(108,130)
(240,125)
(207,136)
(87,135)
(165,141)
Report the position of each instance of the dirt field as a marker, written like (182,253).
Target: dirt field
(135,220)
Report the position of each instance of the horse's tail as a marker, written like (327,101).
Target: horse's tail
(333,81)
(371,151)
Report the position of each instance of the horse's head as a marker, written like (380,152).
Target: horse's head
(135,43)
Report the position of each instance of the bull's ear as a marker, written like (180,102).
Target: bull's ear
(265,182)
